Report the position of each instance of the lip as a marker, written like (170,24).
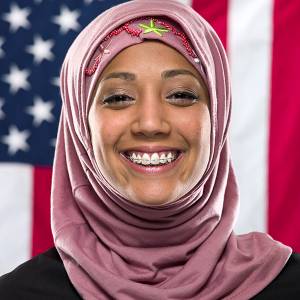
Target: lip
(153,169)
(151,149)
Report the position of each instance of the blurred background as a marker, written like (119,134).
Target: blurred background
(261,38)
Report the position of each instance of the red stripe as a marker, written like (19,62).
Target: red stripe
(215,12)
(284,142)
(41,232)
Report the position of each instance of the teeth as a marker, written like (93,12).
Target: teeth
(163,158)
(152,159)
(146,159)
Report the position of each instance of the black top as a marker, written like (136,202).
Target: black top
(44,278)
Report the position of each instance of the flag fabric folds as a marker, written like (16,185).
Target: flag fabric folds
(260,38)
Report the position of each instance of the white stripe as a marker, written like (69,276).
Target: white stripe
(15,214)
(187,2)
(250,42)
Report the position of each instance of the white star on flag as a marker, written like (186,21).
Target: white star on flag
(53,142)
(41,49)
(41,111)
(2,114)
(67,19)
(17,17)
(16,140)
(55,81)
(1,43)
(17,79)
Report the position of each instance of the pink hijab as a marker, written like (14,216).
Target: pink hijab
(113,248)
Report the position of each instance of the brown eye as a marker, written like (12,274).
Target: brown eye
(118,100)
(183,97)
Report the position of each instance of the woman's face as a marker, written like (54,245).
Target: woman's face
(150,124)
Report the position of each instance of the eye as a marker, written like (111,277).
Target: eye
(183,98)
(118,100)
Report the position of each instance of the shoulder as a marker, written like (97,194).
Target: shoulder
(42,277)
(287,284)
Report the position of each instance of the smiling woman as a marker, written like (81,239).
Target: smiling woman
(144,197)
(150,123)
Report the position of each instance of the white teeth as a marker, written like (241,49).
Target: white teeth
(146,159)
(163,158)
(153,159)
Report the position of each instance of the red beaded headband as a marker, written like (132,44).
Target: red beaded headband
(163,28)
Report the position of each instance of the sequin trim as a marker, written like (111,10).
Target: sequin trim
(136,32)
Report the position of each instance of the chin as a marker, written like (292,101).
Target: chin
(151,202)
(153,199)
(153,193)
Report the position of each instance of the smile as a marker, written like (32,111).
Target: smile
(152,162)
(156,158)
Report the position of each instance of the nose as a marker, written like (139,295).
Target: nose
(151,117)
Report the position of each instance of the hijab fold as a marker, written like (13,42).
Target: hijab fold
(113,248)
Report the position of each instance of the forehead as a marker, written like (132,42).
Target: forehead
(148,56)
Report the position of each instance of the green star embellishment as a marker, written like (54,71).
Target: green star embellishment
(152,28)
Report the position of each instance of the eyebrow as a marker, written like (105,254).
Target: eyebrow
(121,75)
(172,73)
(165,75)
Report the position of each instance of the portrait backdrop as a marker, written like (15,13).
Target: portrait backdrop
(261,40)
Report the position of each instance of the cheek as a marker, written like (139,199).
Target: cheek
(195,126)
(106,130)
(202,139)
(200,133)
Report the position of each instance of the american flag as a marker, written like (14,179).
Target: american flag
(262,41)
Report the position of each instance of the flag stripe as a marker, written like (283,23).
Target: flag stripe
(215,12)
(186,2)
(41,233)
(15,214)
(249,55)
(284,159)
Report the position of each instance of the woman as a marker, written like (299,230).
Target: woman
(144,197)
